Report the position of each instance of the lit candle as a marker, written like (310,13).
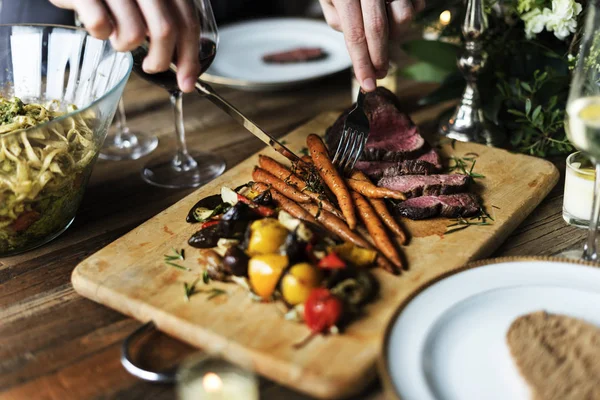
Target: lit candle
(212,379)
(445,17)
(579,190)
(433,32)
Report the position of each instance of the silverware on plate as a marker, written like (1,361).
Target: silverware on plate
(354,137)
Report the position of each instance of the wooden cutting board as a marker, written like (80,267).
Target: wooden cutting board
(130,276)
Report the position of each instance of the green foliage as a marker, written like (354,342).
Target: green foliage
(524,86)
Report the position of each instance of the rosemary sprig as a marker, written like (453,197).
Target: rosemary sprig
(304,151)
(176,256)
(483,218)
(214,292)
(190,290)
(205,278)
(465,165)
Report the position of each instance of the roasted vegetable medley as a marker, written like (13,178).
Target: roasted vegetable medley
(322,280)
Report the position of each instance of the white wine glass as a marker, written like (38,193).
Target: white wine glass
(583,115)
(125,144)
(186,169)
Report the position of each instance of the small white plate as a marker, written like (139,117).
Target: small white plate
(239,61)
(449,341)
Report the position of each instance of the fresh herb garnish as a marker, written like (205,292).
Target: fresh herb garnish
(283,142)
(304,151)
(205,278)
(176,256)
(483,218)
(214,292)
(465,165)
(190,289)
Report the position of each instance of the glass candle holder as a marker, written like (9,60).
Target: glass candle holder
(579,190)
(207,378)
(390,81)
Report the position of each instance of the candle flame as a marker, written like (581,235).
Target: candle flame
(445,17)
(212,382)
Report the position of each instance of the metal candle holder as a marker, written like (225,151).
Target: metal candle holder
(467,123)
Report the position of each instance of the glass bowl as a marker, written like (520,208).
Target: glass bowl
(59,91)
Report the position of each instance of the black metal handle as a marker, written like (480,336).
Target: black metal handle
(168,376)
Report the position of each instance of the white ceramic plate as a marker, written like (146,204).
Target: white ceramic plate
(241,47)
(449,341)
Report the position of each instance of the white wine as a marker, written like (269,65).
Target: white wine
(583,125)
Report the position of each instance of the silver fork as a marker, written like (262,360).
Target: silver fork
(354,137)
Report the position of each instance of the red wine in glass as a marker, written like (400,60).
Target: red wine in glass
(168,79)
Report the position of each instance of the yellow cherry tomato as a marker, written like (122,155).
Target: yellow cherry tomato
(264,272)
(298,282)
(266,236)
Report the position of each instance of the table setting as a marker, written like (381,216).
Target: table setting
(282,233)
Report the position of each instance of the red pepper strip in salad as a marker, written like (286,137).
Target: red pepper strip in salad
(263,211)
(209,223)
(332,261)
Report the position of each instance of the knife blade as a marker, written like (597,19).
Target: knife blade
(224,105)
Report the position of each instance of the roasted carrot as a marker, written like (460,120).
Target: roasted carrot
(331,177)
(360,183)
(283,173)
(386,265)
(388,219)
(376,229)
(285,204)
(307,159)
(336,225)
(260,175)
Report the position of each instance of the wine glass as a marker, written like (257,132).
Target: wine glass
(125,144)
(186,169)
(583,115)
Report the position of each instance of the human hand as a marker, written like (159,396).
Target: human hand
(367,26)
(172,27)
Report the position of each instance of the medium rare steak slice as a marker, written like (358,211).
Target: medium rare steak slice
(393,136)
(426,185)
(377,169)
(449,206)
(427,164)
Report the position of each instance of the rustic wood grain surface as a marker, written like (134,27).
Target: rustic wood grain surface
(55,344)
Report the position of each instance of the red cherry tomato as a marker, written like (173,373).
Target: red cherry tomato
(322,310)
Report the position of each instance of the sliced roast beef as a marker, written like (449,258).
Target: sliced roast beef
(377,169)
(449,206)
(392,135)
(432,157)
(426,185)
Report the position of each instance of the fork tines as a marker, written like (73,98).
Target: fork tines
(349,149)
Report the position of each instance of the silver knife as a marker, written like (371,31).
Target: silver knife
(205,89)
(224,105)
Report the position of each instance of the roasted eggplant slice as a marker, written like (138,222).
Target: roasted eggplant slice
(206,238)
(236,260)
(205,205)
(264,199)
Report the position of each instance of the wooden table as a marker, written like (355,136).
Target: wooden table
(57,345)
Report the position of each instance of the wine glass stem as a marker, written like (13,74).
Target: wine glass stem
(590,249)
(182,161)
(121,119)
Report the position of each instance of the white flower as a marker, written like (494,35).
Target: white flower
(561,19)
(534,22)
